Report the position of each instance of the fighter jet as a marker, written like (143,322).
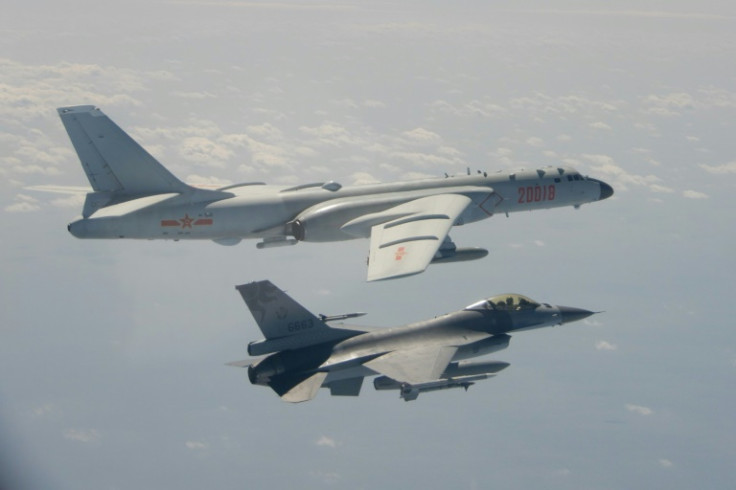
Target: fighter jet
(303,353)
(134,196)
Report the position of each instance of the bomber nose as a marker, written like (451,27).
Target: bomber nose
(606,191)
(571,314)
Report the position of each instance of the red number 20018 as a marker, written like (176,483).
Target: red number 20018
(536,193)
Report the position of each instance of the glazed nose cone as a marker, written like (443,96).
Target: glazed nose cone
(606,191)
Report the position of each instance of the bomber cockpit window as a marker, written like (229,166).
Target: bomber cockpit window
(512,302)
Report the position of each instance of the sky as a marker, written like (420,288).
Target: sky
(112,353)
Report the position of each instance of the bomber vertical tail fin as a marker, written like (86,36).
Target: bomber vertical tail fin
(114,163)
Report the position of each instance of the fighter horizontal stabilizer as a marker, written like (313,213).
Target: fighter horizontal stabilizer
(406,245)
(296,389)
(242,364)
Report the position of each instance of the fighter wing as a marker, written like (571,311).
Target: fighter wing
(414,366)
(406,245)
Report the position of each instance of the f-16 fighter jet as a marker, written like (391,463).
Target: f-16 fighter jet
(304,353)
(134,196)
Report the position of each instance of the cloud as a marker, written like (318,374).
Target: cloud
(204,151)
(604,164)
(267,131)
(690,194)
(373,104)
(416,176)
(727,168)
(206,182)
(675,103)
(421,135)
(603,345)
(267,154)
(361,178)
(668,104)
(196,445)
(43,410)
(600,125)
(326,441)
(419,159)
(193,95)
(666,463)
(641,410)
(346,103)
(24,204)
(82,435)
(328,477)
(329,134)
(661,189)
(74,201)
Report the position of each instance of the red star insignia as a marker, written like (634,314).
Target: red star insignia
(186,221)
(400,252)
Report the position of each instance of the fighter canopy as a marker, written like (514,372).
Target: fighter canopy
(508,302)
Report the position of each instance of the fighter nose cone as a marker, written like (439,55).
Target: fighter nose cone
(570,314)
(606,191)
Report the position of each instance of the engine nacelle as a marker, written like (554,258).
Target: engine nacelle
(353,217)
(459,255)
(324,222)
(262,372)
(293,362)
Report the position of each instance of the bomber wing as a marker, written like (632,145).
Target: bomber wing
(406,245)
(414,366)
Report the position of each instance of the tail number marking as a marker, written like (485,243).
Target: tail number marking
(300,325)
(537,193)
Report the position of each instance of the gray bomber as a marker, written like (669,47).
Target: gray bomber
(303,353)
(408,223)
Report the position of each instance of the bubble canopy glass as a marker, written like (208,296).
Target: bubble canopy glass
(510,301)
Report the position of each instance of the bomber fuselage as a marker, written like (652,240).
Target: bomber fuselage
(322,212)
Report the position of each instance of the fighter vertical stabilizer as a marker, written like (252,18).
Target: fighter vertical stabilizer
(285,323)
